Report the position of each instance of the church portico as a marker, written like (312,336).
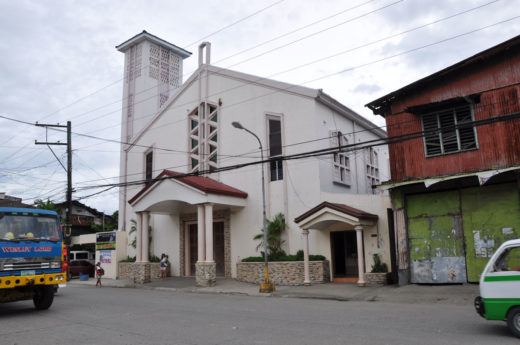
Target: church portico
(202,207)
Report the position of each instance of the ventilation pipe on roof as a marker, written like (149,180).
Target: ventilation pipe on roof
(208,53)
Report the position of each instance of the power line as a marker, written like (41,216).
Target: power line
(315,61)
(326,151)
(267,52)
(315,33)
(295,30)
(236,22)
(200,39)
(397,124)
(411,49)
(351,68)
(120,79)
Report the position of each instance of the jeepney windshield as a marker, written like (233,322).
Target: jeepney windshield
(26,226)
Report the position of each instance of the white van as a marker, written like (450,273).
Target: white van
(83,255)
(500,287)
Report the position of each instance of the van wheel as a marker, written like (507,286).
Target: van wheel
(44,297)
(513,321)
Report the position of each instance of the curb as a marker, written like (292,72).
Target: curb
(360,296)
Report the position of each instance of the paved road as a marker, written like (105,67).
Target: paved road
(87,315)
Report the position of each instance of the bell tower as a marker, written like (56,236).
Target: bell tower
(153,71)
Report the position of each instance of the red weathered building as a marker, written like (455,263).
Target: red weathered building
(488,82)
(454,143)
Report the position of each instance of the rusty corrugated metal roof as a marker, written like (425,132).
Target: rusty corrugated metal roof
(382,104)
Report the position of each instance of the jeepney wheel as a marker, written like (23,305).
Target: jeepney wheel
(513,321)
(43,297)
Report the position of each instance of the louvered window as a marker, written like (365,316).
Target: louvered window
(448,131)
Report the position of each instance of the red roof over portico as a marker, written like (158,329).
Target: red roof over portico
(204,184)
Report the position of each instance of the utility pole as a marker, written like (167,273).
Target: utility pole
(68,170)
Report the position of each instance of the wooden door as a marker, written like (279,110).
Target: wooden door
(218,247)
(193,247)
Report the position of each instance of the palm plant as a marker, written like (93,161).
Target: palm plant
(133,228)
(275,228)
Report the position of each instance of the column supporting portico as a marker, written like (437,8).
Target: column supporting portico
(361,255)
(306,279)
(141,268)
(201,236)
(138,237)
(145,238)
(208,208)
(205,268)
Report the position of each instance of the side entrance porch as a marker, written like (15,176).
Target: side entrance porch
(347,229)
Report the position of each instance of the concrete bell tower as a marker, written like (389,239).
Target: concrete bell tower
(153,71)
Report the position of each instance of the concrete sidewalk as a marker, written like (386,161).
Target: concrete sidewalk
(457,294)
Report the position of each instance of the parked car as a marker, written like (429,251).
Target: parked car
(79,267)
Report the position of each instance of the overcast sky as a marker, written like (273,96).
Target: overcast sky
(58,62)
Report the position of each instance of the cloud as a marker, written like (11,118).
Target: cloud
(366,88)
(57,59)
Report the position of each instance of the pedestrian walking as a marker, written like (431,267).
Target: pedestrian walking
(99,273)
(164,265)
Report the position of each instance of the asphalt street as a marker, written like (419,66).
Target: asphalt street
(89,315)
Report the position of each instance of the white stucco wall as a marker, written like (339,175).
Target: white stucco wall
(306,183)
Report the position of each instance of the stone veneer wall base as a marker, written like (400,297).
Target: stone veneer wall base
(141,272)
(127,270)
(283,272)
(376,279)
(206,274)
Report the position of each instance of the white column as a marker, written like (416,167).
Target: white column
(201,237)
(361,255)
(209,232)
(145,238)
(138,237)
(187,249)
(306,279)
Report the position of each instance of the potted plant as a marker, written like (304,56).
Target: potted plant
(378,276)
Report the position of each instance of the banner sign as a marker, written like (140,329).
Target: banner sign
(106,240)
(105,257)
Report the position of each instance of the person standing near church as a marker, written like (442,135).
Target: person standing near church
(164,265)
(99,274)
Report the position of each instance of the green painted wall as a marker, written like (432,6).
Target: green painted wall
(397,198)
(490,216)
(470,222)
(433,204)
(435,236)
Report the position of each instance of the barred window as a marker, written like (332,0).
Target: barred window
(448,131)
(203,141)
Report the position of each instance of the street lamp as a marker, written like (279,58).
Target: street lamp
(266,287)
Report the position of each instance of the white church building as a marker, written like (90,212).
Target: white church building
(206,222)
